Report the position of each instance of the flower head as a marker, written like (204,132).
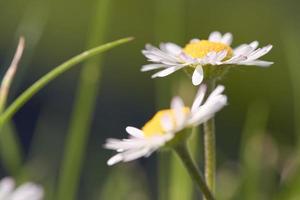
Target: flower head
(164,126)
(216,51)
(26,191)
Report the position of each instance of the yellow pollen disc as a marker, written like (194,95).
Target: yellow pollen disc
(203,47)
(154,126)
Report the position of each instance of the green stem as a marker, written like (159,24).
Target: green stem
(10,150)
(183,189)
(184,155)
(38,85)
(210,147)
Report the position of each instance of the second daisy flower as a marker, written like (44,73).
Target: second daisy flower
(215,51)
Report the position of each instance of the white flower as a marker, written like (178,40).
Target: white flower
(198,53)
(165,124)
(26,191)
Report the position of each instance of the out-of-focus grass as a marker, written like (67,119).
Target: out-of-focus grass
(169,26)
(66,31)
(291,43)
(255,178)
(84,107)
(40,165)
(10,149)
(125,182)
(31,26)
(251,151)
(290,38)
(228,181)
(290,187)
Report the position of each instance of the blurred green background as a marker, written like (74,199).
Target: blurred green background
(257,133)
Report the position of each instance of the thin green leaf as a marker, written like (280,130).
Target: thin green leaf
(42,82)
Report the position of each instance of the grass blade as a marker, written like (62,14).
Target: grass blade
(10,148)
(252,150)
(290,189)
(174,31)
(125,183)
(83,109)
(42,82)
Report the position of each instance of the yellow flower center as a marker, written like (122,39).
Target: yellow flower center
(201,48)
(154,126)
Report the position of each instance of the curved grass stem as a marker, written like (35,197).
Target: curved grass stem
(42,82)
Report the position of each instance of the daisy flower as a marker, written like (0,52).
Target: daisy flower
(163,127)
(26,191)
(215,51)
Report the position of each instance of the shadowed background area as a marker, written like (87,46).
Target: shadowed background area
(257,133)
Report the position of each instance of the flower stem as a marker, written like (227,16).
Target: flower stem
(210,147)
(184,155)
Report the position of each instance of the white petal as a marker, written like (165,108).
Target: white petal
(157,55)
(212,57)
(199,97)
(135,132)
(197,75)
(115,159)
(124,144)
(166,123)
(186,59)
(28,191)
(246,49)
(208,109)
(167,71)
(221,55)
(235,59)
(171,48)
(6,187)
(227,39)
(261,52)
(243,50)
(260,63)
(177,105)
(213,104)
(135,154)
(218,90)
(194,40)
(254,44)
(150,67)
(203,61)
(215,36)
(149,47)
